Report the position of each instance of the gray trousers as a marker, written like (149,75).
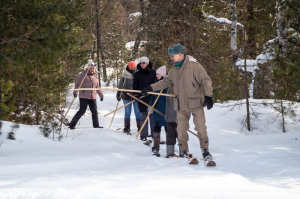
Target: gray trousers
(144,131)
(183,118)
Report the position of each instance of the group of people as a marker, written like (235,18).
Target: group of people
(191,90)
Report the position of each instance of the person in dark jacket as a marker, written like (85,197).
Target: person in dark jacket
(87,97)
(158,120)
(126,82)
(145,76)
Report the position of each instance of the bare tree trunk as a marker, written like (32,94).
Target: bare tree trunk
(245,68)
(140,31)
(250,30)
(281,27)
(100,49)
(233,39)
(282,114)
(93,50)
(0,83)
(233,43)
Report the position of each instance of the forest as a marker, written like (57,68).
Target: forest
(249,48)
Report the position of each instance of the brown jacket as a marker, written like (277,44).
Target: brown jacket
(190,81)
(90,81)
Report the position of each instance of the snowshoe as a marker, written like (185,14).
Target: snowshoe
(192,159)
(172,155)
(101,127)
(207,158)
(148,142)
(162,142)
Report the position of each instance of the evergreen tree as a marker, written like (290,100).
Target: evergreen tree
(42,50)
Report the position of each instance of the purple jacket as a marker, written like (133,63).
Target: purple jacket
(90,81)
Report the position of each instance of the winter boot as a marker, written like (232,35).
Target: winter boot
(126,126)
(143,138)
(96,121)
(184,150)
(156,143)
(72,124)
(170,150)
(208,161)
(155,151)
(138,124)
(206,154)
(156,139)
(155,148)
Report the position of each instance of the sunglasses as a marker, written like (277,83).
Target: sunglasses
(143,63)
(93,65)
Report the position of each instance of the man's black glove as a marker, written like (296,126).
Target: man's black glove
(75,94)
(101,99)
(146,90)
(208,102)
(118,96)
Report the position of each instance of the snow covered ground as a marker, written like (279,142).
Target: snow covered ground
(105,163)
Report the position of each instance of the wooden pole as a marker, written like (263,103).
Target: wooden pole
(192,133)
(119,108)
(112,119)
(63,119)
(148,113)
(146,104)
(119,89)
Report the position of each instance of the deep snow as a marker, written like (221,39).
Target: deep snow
(105,163)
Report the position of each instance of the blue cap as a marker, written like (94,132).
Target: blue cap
(176,49)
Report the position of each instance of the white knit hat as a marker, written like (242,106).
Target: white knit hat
(162,70)
(144,59)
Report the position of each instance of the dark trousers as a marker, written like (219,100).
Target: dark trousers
(83,106)
(157,130)
(171,133)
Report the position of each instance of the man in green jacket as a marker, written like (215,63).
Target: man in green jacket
(193,91)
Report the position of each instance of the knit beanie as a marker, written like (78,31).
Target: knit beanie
(132,65)
(162,71)
(176,49)
(144,59)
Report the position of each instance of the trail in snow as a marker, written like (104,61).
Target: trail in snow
(105,163)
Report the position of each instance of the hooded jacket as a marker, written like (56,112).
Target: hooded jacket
(160,106)
(190,82)
(90,81)
(142,79)
(126,82)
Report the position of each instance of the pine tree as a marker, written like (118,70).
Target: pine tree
(42,50)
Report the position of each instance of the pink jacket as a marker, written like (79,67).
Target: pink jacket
(90,81)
